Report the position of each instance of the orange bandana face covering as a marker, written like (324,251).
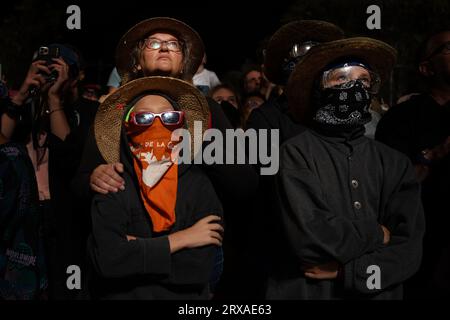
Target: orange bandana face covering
(157,174)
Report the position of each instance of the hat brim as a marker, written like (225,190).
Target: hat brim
(109,118)
(292,33)
(191,39)
(380,56)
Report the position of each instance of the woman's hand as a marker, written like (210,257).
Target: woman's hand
(105,178)
(34,78)
(62,68)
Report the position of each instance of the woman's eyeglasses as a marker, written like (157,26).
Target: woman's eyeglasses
(156,44)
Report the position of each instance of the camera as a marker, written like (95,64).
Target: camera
(48,54)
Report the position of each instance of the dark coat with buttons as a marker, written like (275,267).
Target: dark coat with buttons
(144,268)
(334,191)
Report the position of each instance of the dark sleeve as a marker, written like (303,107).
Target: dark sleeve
(10,180)
(112,254)
(394,131)
(316,233)
(401,258)
(194,266)
(256,120)
(233,182)
(67,153)
(90,159)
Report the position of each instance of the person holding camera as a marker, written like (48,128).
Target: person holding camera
(41,116)
(37,78)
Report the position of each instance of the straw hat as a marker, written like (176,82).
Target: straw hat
(296,32)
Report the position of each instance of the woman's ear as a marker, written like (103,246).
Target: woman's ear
(182,68)
(137,69)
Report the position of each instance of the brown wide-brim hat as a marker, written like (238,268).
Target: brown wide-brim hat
(194,48)
(110,115)
(296,32)
(378,55)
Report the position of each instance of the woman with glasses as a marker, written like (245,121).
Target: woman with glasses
(162,47)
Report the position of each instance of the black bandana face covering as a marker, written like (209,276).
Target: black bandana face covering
(345,105)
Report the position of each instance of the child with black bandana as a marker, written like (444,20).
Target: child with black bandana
(348,204)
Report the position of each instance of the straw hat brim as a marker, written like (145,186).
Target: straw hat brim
(380,56)
(109,118)
(292,33)
(191,39)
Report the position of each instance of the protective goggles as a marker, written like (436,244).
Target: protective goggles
(299,50)
(340,76)
(168,118)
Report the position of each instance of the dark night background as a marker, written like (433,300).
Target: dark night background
(233,31)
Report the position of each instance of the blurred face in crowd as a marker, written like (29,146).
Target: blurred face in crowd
(251,103)
(438,62)
(224,94)
(91,94)
(253,81)
(161,54)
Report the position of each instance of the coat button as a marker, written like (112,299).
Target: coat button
(355,183)
(357,205)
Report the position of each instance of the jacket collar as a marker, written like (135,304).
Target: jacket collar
(336,135)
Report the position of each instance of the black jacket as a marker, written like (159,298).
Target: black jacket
(145,268)
(414,125)
(272,115)
(334,192)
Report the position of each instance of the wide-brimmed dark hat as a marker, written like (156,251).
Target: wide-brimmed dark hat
(378,55)
(296,32)
(110,115)
(194,48)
